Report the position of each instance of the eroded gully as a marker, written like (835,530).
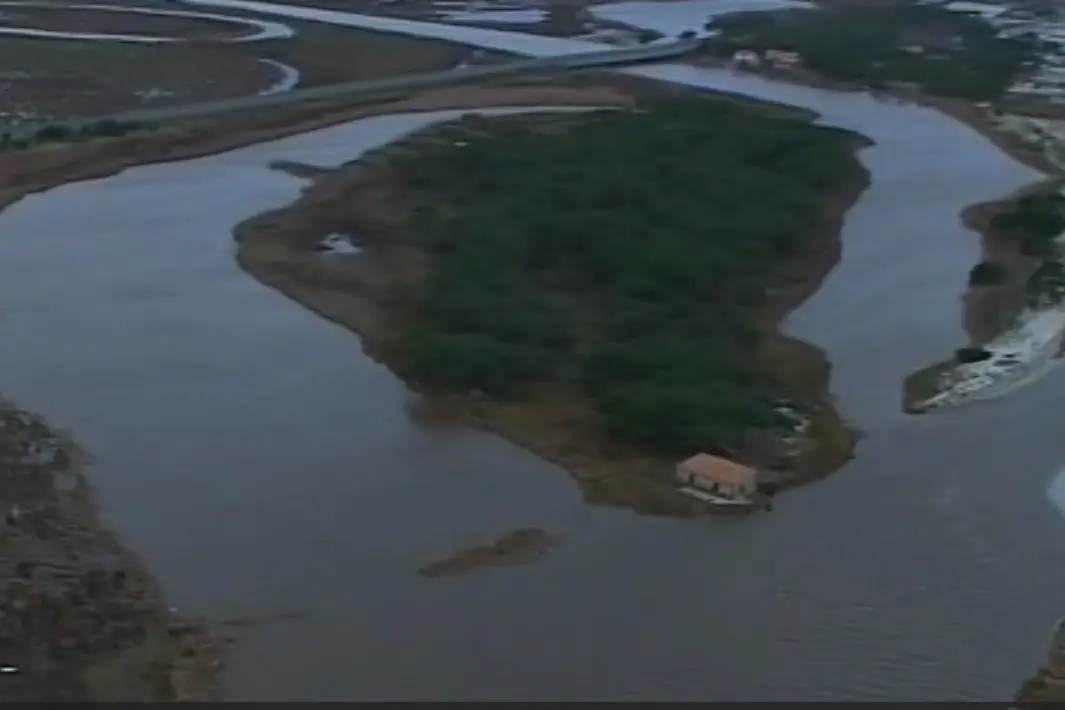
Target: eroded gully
(265,465)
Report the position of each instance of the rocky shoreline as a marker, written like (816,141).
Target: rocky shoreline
(80,617)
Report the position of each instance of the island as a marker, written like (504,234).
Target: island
(518,546)
(602,287)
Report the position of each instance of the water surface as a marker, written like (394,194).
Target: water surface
(264,464)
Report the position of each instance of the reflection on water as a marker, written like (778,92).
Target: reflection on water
(264,464)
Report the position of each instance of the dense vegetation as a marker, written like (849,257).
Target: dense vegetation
(56,132)
(986,273)
(1033,223)
(945,53)
(618,256)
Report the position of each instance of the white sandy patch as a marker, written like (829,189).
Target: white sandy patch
(339,245)
(1019,356)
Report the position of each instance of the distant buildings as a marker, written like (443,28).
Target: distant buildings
(746,58)
(1043,21)
(781,59)
(775,58)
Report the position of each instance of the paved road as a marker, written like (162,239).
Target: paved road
(368,89)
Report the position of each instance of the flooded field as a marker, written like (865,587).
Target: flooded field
(267,467)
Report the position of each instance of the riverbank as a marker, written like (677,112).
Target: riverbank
(42,168)
(1022,341)
(80,617)
(284,249)
(976,116)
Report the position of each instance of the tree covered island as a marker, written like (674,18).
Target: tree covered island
(917,45)
(604,287)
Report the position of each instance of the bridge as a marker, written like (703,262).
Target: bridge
(370,89)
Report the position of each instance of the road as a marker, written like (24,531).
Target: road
(369,89)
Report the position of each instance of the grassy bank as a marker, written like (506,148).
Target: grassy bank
(602,290)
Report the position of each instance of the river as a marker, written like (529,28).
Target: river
(265,465)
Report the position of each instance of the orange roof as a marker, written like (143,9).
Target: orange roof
(715,468)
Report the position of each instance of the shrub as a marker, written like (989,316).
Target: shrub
(971,354)
(52,133)
(986,273)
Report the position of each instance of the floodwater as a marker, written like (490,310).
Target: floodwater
(264,465)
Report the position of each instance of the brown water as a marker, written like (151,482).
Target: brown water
(265,465)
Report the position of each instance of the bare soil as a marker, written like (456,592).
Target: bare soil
(281,249)
(519,546)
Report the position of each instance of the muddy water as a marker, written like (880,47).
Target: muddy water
(266,466)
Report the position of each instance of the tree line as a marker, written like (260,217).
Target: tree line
(943,52)
(621,256)
(1033,224)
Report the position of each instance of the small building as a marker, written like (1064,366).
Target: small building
(719,479)
(781,59)
(746,58)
